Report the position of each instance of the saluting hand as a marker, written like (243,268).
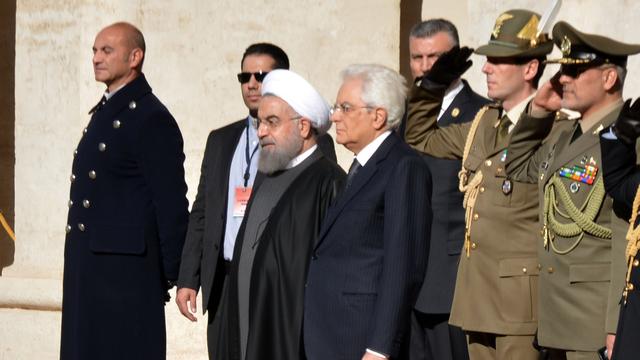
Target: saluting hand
(449,67)
(549,95)
(186,300)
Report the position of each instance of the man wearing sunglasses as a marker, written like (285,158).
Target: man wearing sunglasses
(581,255)
(228,171)
(494,300)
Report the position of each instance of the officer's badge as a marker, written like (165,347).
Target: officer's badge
(530,30)
(499,22)
(503,157)
(507,186)
(598,129)
(574,187)
(565,46)
(584,159)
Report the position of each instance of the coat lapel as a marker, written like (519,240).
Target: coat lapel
(457,109)
(359,181)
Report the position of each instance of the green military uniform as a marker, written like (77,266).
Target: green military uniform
(581,269)
(496,285)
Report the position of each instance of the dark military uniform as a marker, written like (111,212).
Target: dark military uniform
(126,226)
(581,262)
(496,286)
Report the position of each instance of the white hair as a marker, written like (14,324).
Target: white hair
(381,87)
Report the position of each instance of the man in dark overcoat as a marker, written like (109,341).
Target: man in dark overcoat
(127,213)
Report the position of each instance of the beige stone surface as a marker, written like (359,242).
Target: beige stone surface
(29,334)
(193,53)
(475,19)
(194,50)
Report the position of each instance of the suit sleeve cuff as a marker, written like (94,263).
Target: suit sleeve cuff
(375,353)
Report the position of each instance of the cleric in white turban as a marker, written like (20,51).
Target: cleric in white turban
(300,95)
(263,306)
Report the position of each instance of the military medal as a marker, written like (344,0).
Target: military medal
(574,187)
(503,157)
(506,186)
(585,174)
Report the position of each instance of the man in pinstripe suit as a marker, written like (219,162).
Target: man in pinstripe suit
(369,260)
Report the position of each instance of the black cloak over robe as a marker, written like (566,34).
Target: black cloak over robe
(280,268)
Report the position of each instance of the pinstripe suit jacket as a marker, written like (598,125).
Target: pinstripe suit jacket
(369,261)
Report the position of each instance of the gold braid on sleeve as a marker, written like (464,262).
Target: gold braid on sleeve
(633,236)
(469,188)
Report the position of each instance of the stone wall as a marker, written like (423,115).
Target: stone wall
(475,19)
(194,50)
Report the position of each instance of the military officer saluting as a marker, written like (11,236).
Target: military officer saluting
(495,293)
(622,180)
(127,213)
(582,265)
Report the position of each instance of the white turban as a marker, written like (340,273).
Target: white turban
(300,95)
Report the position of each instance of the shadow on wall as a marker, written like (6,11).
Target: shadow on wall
(410,14)
(7,126)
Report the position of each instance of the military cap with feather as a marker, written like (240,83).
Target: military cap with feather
(515,34)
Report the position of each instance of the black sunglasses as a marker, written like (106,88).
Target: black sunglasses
(244,77)
(573,71)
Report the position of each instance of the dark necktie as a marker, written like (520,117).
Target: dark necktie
(576,134)
(353,169)
(503,130)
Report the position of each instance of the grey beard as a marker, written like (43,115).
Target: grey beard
(277,159)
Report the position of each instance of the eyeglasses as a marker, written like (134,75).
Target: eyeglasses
(272,122)
(346,108)
(244,77)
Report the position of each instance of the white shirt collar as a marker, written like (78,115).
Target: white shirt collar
(450,94)
(516,111)
(302,157)
(108,94)
(367,152)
